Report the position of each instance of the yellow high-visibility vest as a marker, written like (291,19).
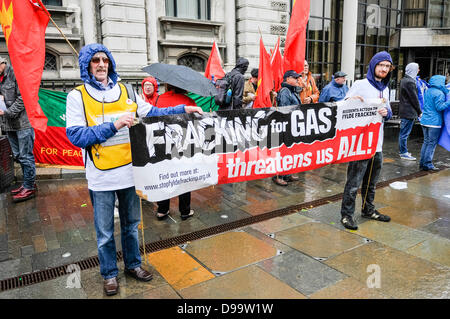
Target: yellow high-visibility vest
(116,151)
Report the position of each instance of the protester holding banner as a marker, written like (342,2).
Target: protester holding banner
(250,89)
(432,120)
(149,90)
(310,93)
(374,86)
(175,96)
(99,113)
(288,95)
(14,122)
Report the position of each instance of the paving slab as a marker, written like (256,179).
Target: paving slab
(319,240)
(348,288)
(440,227)
(229,251)
(247,283)
(401,275)
(52,289)
(301,272)
(178,268)
(278,224)
(392,234)
(435,249)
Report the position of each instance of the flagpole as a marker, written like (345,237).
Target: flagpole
(60,31)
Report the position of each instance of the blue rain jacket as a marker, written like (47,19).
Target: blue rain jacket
(434,101)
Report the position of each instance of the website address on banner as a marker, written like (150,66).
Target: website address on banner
(176,182)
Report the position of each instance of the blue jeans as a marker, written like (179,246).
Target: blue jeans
(22,143)
(129,211)
(405,129)
(430,141)
(357,172)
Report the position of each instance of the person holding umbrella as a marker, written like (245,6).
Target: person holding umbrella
(174,96)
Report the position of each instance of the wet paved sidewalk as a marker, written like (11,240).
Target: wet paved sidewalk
(307,254)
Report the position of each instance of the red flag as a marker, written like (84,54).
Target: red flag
(265,79)
(24,23)
(294,49)
(214,65)
(276,61)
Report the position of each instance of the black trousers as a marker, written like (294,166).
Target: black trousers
(184,204)
(358,172)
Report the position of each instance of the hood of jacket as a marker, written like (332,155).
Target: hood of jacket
(242,65)
(153,81)
(412,69)
(86,54)
(438,82)
(377,58)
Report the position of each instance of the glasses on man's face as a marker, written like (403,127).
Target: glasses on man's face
(385,66)
(96,59)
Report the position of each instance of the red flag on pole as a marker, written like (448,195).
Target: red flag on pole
(294,49)
(214,65)
(276,61)
(265,79)
(23,24)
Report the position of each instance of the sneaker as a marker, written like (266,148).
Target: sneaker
(24,195)
(407,156)
(376,216)
(349,223)
(429,168)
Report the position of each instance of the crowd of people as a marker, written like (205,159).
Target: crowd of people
(107,157)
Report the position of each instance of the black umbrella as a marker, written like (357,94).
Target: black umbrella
(183,77)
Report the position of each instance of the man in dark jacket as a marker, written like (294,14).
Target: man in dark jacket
(288,95)
(237,83)
(14,122)
(409,108)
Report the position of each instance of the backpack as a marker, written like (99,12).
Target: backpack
(223,95)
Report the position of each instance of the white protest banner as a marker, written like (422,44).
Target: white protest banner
(176,154)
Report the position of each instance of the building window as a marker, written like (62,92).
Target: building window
(189,9)
(192,61)
(438,14)
(415,13)
(50,62)
(324,38)
(52,3)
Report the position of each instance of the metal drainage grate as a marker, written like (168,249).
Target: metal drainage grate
(92,262)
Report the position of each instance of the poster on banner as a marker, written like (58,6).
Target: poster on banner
(176,154)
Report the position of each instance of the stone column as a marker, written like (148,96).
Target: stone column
(152,31)
(89,21)
(230,34)
(349,28)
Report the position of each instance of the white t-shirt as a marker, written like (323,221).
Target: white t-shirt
(366,90)
(113,179)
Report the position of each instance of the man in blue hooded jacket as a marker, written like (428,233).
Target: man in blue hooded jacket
(367,172)
(98,115)
(335,90)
